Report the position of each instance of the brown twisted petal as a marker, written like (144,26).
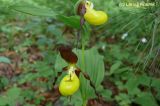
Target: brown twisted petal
(67,54)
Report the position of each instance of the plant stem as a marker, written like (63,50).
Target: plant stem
(83,54)
(83,65)
(84,103)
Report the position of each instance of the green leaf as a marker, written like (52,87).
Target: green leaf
(33,10)
(4,81)
(155,83)
(123,99)
(11,97)
(106,94)
(4,59)
(13,92)
(144,80)
(72,21)
(3,100)
(115,67)
(132,84)
(94,66)
(121,70)
(134,81)
(146,99)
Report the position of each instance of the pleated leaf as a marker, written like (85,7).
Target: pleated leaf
(33,10)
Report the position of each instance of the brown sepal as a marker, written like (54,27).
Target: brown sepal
(81,9)
(67,54)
